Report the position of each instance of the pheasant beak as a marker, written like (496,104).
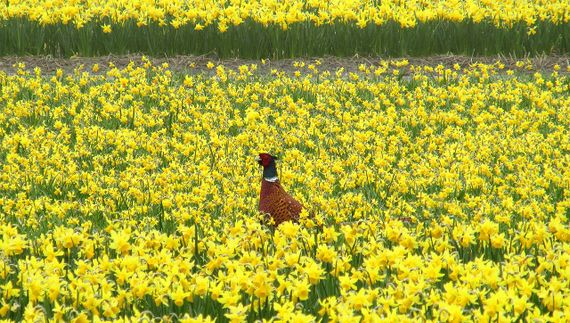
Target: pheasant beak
(258,159)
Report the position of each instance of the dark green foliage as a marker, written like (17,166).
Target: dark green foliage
(253,40)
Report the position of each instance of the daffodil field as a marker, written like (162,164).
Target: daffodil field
(277,29)
(437,194)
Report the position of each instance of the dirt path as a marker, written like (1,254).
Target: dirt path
(183,63)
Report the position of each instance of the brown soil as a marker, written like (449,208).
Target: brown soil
(184,63)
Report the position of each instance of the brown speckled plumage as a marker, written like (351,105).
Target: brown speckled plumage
(275,202)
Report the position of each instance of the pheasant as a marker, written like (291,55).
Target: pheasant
(273,200)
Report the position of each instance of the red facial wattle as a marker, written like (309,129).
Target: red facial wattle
(265,159)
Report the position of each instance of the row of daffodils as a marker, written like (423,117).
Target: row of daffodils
(201,13)
(284,28)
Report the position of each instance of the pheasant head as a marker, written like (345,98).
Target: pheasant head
(269,168)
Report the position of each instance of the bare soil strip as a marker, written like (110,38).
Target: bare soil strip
(196,64)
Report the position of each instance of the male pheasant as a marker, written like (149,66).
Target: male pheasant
(273,200)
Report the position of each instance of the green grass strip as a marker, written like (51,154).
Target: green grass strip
(253,40)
